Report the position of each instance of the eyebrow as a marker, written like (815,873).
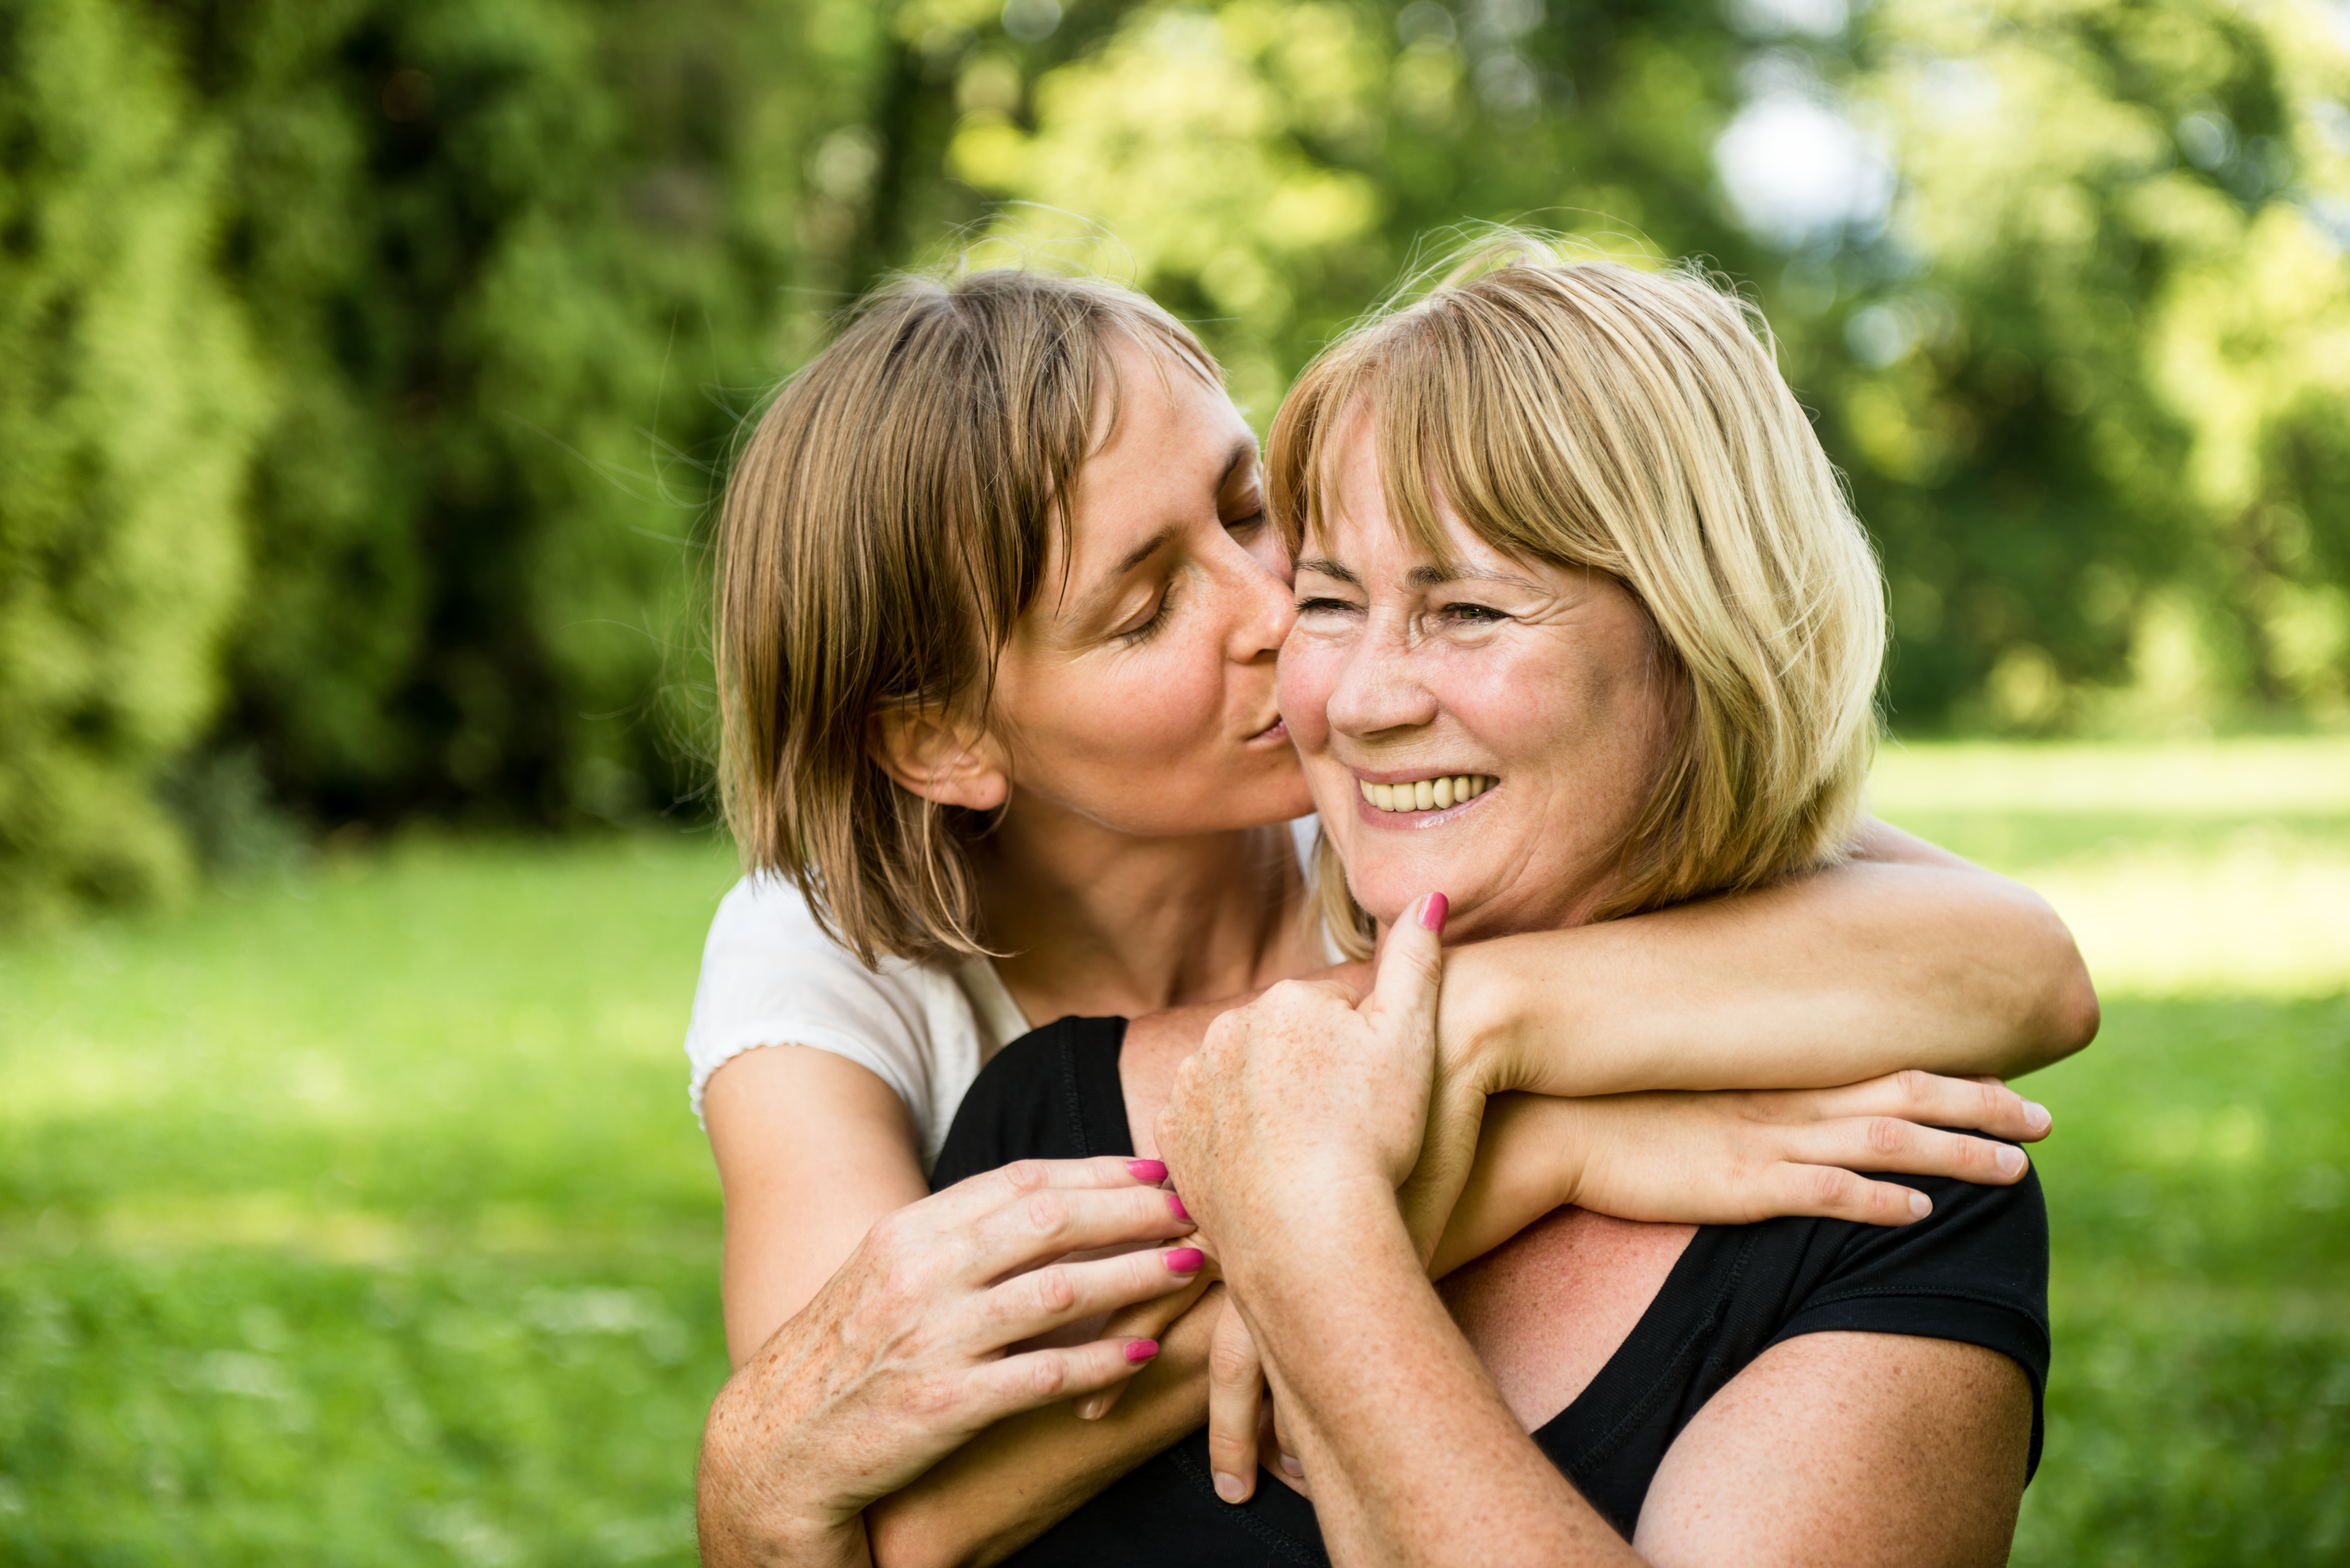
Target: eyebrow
(1433,575)
(1242,450)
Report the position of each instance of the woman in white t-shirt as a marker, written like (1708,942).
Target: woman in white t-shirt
(997,622)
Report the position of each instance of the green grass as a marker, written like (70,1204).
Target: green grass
(360,1219)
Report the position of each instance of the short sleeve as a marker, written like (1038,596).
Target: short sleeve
(1975,1271)
(770,976)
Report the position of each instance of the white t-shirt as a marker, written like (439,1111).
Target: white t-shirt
(770,976)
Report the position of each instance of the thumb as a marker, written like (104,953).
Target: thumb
(1411,964)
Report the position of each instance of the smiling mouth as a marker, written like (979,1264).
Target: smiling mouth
(1438,793)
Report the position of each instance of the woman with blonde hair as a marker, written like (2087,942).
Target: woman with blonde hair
(999,613)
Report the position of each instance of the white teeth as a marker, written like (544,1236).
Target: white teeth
(1426,794)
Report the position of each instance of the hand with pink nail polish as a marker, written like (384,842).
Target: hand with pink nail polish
(1312,1083)
(928,1335)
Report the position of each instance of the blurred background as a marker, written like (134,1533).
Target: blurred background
(366,372)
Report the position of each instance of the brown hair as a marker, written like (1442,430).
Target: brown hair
(886,525)
(1634,423)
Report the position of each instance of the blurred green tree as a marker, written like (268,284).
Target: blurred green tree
(364,366)
(514,265)
(128,404)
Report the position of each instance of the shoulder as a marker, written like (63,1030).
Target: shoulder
(772,975)
(1975,1271)
(766,940)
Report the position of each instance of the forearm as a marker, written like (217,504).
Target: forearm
(748,1511)
(1529,1154)
(1828,979)
(1023,1476)
(1375,1380)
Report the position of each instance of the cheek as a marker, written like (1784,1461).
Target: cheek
(1309,671)
(1154,712)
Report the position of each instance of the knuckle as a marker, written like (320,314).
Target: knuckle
(1829,1186)
(1887,1135)
(1047,1375)
(1023,1176)
(935,1400)
(1046,1214)
(1231,1362)
(1914,1086)
(1053,1290)
(893,1233)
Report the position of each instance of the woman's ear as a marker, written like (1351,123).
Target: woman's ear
(941,759)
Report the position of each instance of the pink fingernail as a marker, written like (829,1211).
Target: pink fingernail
(1141,1349)
(1185,1259)
(1177,1204)
(1432,913)
(1152,1172)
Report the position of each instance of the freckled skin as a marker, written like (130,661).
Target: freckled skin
(1540,676)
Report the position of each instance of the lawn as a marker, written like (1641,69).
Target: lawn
(359,1218)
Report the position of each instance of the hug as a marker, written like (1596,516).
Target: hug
(1536,662)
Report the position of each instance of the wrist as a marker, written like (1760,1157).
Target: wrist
(774,1539)
(1481,1014)
(1328,1225)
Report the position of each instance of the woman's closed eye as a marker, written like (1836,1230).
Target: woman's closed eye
(1320,605)
(1150,626)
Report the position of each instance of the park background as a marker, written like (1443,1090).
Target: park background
(366,373)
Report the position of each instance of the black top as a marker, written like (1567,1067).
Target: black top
(1975,1271)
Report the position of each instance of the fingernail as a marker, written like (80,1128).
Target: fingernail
(1141,1349)
(1184,1259)
(1177,1204)
(1921,1205)
(1294,1470)
(1152,1172)
(2035,1115)
(2011,1160)
(1432,912)
(1228,1487)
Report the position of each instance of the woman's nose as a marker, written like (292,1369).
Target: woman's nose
(1269,610)
(1378,689)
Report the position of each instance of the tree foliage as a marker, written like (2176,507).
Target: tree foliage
(128,404)
(366,364)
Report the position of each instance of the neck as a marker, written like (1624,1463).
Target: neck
(1099,922)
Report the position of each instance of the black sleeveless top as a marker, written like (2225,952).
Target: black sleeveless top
(1975,1271)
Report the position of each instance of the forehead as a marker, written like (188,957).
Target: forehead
(1167,444)
(1357,519)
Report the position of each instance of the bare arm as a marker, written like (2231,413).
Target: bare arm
(1904,956)
(998,1493)
(1854,1449)
(1294,1128)
(812,1149)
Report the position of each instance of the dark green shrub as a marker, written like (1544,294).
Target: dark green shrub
(516,266)
(127,405)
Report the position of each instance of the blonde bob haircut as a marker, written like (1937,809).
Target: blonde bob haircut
(1591,415)
(885,524)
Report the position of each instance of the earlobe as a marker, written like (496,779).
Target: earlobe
(940,759)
